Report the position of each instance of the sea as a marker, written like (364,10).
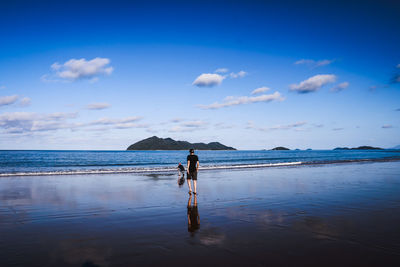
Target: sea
(67,162)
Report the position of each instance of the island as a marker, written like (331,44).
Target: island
(156,143)
(280,148)
(358,148)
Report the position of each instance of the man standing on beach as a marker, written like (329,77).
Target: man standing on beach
(192,169)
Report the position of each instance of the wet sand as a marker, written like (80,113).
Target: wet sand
(327,215)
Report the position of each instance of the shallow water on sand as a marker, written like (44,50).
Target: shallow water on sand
(344,214)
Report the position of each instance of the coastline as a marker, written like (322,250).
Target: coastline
(335,214)
(169,170)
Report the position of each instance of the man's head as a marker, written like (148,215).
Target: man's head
(191,151)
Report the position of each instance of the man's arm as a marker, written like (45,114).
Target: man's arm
(198,164)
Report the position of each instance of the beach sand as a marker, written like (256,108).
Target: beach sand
(323,215)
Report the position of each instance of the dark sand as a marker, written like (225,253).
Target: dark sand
(327,215)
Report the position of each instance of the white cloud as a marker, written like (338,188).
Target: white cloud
(222,126)
(240,74)
(208,80)
(252,125)
(340,87)
(176,120)
(8,100)
(3,87)
(314,63)
(98,106)
(26,101)
(387,126)
(189,126)
(313,83)
(20,122)
(75,69)
(289,126)
(27,122)
(233,101)
(398,66)
(221,70)
(260,90)
(197,123)
(337,129)
(109,121)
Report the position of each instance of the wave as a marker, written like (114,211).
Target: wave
(144,170)
(158,170)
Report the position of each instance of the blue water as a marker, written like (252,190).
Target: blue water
(41,162)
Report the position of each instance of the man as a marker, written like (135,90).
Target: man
(192,169)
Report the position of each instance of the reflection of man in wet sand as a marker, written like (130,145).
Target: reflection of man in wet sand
(193,215)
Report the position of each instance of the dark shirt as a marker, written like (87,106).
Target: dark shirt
(181,167)
(193,159)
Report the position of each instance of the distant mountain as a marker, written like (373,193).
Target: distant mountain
(396,147)
(280,148)
(358,148)
(155,143)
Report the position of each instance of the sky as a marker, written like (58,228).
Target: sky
(102,75)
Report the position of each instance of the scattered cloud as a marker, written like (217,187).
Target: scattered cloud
(20,122)
(176,120)
(194,124)
(337,129)
(233,101)
(189,126)
(221,70)
(222,126)
(28,122)
(239,74)
(372,88)
(260,90)
(387,126)
(110,121)
(252,125)
(75,69)
(395,78)
(2,87)
(8,100)
(340,87)
(208,80)
(26,101)
(398,109)
(396,75)
(213,79)
(98,106)
(313,83)
(314,63)
(288,126)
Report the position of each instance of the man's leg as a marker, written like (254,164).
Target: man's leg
(188,182)
(195,186)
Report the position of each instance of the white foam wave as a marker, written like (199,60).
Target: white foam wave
(145,170)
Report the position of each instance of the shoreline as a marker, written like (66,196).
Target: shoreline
(167,170)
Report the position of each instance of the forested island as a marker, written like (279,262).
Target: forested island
(156,143)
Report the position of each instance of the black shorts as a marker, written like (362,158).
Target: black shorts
(192,175)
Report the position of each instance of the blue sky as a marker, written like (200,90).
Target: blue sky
(105,74)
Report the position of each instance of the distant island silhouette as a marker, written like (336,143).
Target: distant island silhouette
(280,148)
(156,143)
(358,148)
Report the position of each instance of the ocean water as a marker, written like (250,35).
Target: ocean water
(53,162)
